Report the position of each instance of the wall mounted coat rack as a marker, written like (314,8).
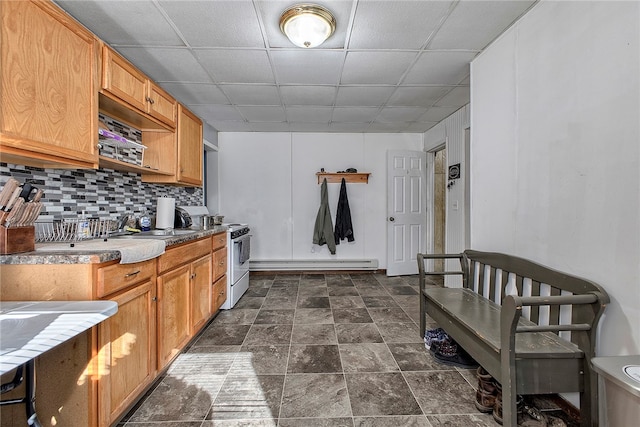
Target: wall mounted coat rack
(336,178)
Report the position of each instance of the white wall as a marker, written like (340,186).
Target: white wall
(555,150)
(268,180)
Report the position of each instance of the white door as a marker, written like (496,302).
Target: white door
(406,211)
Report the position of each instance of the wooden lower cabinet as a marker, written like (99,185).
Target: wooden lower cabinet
(201,280)
(126,358)
(218,293)
(173,313)
(95,379)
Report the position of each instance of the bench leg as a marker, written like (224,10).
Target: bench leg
(423,314)
(509,315)
(589,416)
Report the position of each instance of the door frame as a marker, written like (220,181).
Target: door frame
(431,192)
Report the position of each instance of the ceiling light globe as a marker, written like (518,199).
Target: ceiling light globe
(307,25)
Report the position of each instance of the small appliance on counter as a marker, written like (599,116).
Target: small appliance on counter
(182,218)
(197,214)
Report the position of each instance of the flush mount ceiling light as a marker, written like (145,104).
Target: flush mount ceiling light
(307,25)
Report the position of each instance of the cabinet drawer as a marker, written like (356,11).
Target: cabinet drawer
(115,277)
(219,240)
(219,263)
(219,294)
(183,254)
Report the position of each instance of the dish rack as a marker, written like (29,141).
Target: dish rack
(73,230)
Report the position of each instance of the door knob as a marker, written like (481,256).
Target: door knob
(391,219)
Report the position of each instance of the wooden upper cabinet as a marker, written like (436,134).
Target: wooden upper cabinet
(179,153)
(122,80)
(190,148)
(48,107)
(161,105)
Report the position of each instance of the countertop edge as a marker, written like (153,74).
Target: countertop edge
(95,257)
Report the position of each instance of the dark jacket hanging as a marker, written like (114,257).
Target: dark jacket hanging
(322,232)
(344,228)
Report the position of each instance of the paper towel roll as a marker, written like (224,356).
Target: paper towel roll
(165,212)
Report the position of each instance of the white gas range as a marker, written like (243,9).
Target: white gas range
(238,255)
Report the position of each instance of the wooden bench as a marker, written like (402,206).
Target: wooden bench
(532,328)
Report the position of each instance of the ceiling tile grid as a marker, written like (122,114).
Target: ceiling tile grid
(390,66)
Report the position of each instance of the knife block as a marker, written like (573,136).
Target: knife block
(17,239)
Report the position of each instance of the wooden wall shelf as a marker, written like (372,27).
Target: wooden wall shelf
(332,178)
(109,163)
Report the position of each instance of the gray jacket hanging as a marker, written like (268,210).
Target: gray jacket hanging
(323,230)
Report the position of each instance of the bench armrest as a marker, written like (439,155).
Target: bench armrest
(422,272)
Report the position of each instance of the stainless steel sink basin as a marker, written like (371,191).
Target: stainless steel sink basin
(154,234)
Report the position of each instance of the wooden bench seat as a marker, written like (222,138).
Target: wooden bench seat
(517,337)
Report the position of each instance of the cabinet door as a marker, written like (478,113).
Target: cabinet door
(173,313)
(190,147)
(219,293)
(123,80)
(200,293)
(48,106)
(161,105)
(127,351)
(219,263)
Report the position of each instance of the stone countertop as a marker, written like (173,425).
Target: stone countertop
(90,257)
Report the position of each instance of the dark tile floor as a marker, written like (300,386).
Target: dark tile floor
(313,350)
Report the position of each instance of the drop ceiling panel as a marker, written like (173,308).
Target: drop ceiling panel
(437,114)
(215,23)
(216,112)
(129,23)
(417,96)
(307,66)
(396,24)
(473,25)
(440,68)
(363,95)
(167,65)
(237,66)
(399,114)
(457,97)
(263,114)
(376,67)
(308,95)
(196,93)
(354,114)
(252,94)
(309,114)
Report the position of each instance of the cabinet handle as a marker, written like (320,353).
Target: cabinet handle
(132,274)
(150,101)
(154,299)
(193,276)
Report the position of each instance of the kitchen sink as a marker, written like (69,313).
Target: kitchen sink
(154,234)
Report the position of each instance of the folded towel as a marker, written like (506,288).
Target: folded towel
(245,249)
(131,250)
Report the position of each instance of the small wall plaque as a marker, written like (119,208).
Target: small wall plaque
(454,171)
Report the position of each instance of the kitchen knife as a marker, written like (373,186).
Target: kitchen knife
(13,198)
(27,190)
(7,191)
(16,211)
(38,195)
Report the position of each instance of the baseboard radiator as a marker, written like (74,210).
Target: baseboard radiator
(311,265)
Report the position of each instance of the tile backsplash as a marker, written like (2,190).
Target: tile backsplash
(102,193)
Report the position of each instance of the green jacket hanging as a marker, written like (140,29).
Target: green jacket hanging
(323,230)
